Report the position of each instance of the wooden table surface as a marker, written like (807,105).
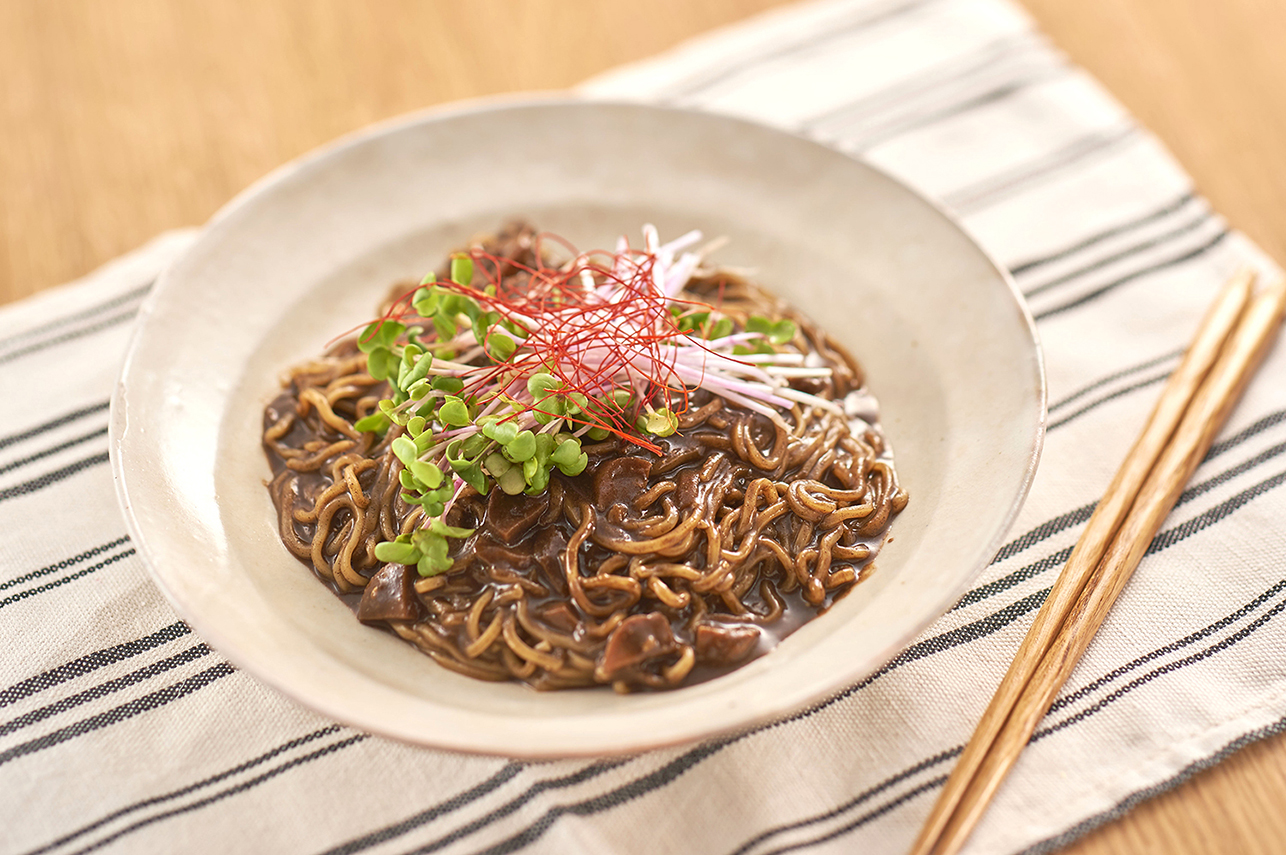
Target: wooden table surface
(121,119)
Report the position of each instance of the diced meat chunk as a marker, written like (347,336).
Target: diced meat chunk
(637,640)
(720,645)
(511,517)
(620,481)
(390,595)
(558,615)
(548,547)
(493,553)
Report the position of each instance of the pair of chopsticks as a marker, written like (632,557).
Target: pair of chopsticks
(1232,340)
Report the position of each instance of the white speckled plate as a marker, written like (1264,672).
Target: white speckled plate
(305,254)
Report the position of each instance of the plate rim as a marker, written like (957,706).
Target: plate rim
(438,113)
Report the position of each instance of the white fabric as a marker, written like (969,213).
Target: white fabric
(120,730)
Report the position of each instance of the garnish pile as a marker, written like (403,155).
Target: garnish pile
(497,385)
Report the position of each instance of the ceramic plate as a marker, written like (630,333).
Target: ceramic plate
(947,344)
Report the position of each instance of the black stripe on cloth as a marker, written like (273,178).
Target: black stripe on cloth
(455,803)
(673,770)
(52,450)
(190,788)
(58,422)
(1169,668)
(973,631)
(223,794)
(1268,421)
(861,797)
(1079,515)
(1169,537)
(83,314)
(584,774)
(50,478)
(994,95)
(1109,397)
(1004,583)
(1160,213)
(964,67)
(1142,246)
(490,785)
(152,701)
(1161,541)
(611,799)
(865,818)
(1047,529)
(1175,261)
(951,753)
(1114,376)
(1228,474)
(1204,632)
(91,662)
(1058,842)
(704,81)
(63,565)
(995,188)
(70,577)
(104,689)
(72,335)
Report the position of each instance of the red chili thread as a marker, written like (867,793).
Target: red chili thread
(621,334)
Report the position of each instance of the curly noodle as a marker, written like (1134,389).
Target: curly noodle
(641,572)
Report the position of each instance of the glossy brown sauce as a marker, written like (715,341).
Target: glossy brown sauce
(645,571)
(521,541)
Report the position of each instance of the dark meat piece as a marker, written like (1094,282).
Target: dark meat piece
(510,517)
(547,548)
(620,480)
(724,645)
(637,640)
(558,615)
(390,595)
(688,489)
(496,554)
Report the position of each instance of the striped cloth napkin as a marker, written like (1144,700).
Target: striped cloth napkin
(121,731)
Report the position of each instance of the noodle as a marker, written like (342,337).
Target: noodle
(643,571)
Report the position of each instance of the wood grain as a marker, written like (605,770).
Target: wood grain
(121,119)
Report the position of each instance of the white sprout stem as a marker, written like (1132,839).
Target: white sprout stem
(813,400)
(459,484)
(774,358)
(785,371)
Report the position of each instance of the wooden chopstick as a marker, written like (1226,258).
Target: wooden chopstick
(1182,384)
(1204,416)
(1175,439)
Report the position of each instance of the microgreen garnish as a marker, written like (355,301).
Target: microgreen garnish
(495,387)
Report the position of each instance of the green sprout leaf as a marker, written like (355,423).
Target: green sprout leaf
(396,552)
(502,432)
(575,467)
(404,450)
(461,269)
(660,422)
(512,481)
(439,527)
(782,331)
(500,346)
(542,383)
(376,422)
(522,447)
(496,465)
(381,363)
(426,473)
(566,453)
(453,412)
